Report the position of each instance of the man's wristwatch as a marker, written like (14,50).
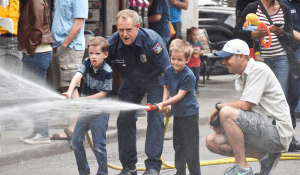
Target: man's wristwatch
(216,106)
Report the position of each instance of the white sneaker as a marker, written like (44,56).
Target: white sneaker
(36,139)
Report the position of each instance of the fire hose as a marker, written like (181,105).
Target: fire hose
(150,107)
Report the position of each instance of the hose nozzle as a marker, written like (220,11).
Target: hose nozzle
(150,107)
(154,108)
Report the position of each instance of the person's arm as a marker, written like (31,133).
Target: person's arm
(156,11)
(184,4)
(172,100)
(101,94)
(154,18)
(297,36)
(77,25)
(166,94)
(75,80)
(36,21)
(239,104)
(202,49)
(238,31)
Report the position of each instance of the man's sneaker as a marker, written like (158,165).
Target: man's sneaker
(269,164)
(127,171)
(36,139)
(237,170)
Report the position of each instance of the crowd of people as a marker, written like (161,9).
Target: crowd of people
(259,124)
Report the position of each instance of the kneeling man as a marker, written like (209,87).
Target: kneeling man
(258,125)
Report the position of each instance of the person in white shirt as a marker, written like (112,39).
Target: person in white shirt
(258,125)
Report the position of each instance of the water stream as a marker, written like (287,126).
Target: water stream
(23,101)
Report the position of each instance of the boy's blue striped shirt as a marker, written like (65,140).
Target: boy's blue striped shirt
(93,82)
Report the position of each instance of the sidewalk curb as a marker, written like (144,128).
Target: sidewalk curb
(58,147)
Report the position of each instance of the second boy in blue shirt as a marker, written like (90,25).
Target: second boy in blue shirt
(179,83)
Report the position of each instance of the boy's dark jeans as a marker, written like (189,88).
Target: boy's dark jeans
(186,144)
(98,126)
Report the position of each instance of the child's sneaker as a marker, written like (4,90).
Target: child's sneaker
(237,170)
(269,164)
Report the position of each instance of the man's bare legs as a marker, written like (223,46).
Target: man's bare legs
(215,142)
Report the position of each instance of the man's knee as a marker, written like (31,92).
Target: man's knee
(228,113)
(211,142)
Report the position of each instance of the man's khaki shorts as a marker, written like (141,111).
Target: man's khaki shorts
(63,66)
(261,134)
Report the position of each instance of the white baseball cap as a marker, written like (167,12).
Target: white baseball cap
(234,46)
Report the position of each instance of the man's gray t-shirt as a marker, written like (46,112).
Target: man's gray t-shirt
(259,85)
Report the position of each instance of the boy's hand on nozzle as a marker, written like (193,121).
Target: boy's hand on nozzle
(160,107)
(167,111)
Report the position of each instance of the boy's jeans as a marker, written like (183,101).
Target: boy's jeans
(35,69)
(98,126)
(280,68)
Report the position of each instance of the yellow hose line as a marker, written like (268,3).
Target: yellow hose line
(290,155)
(203,163)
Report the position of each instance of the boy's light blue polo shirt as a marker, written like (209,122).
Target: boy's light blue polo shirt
(184,80)
(65,13)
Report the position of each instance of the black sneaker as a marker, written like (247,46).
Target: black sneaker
(269,164)
(36,139)
(127,171)
(294,145)
(151,172)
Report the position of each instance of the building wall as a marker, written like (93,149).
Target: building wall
(112,8)
(189,17)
